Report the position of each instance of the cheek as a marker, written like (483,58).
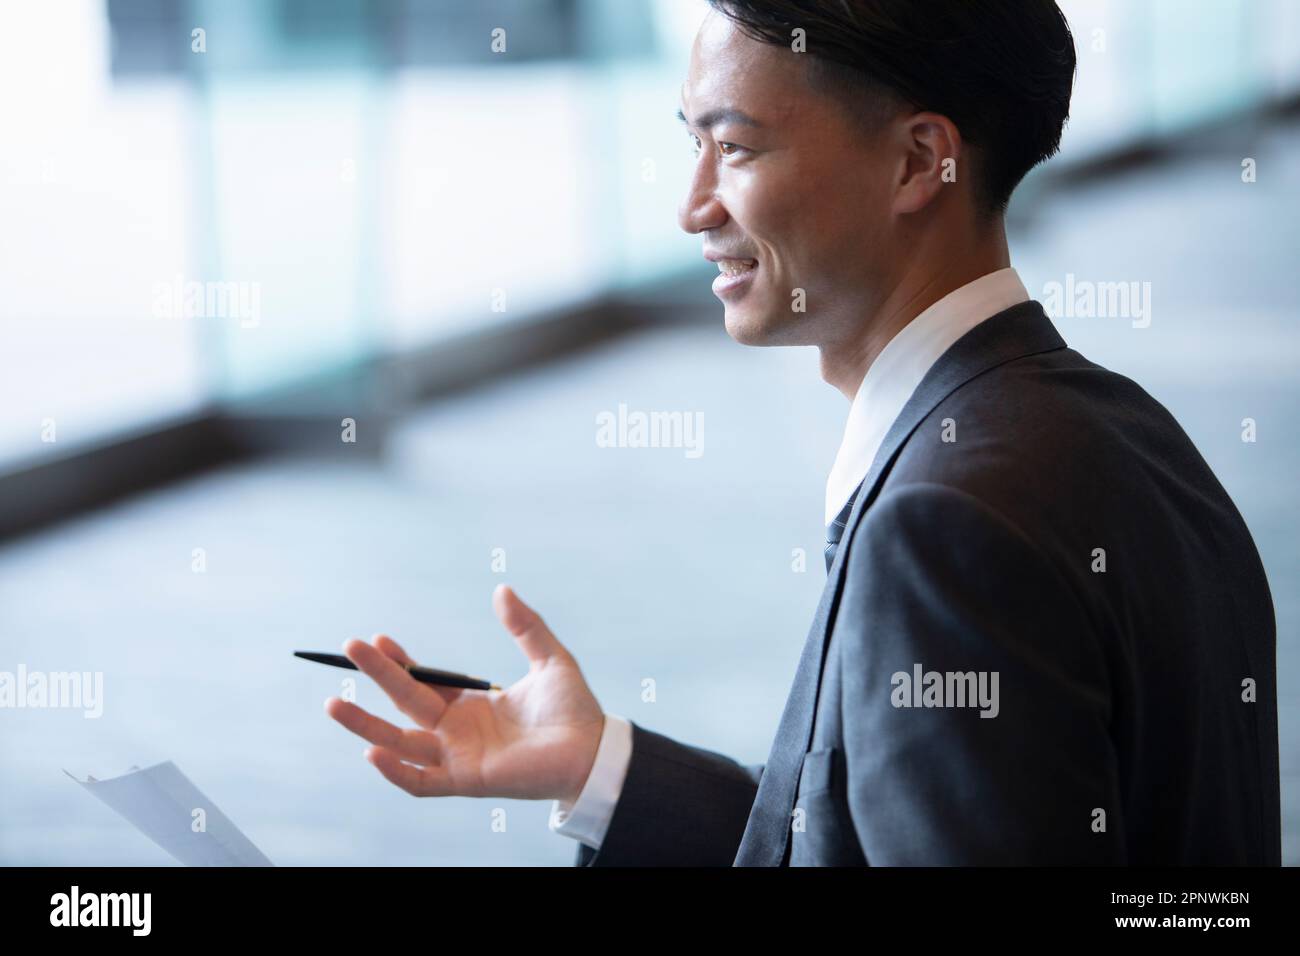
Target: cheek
(843,223)
(767,204)
(806,221)
(782,232)
(806,237)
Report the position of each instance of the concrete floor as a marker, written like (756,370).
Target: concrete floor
(648,564)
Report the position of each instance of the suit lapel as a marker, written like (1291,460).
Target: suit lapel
(1016,332)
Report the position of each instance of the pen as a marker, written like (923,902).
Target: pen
(425,675)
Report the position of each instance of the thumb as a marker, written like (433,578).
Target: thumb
(534,637)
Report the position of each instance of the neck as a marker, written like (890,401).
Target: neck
(921,282)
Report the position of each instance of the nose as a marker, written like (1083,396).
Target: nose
(701,209)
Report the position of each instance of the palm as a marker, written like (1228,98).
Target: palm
(512,744)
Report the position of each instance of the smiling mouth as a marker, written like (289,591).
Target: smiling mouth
(736,267)
(735,277)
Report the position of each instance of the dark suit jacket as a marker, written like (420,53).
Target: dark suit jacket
(1126,729)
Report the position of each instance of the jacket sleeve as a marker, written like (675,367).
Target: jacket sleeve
(680,806)
(936,582)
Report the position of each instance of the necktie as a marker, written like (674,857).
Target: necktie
(835,530)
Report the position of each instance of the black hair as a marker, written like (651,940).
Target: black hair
(1000,70)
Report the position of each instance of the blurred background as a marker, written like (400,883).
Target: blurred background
(229,228)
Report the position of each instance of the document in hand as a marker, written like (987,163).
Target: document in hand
(165,806)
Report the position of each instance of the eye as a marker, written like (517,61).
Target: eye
(724,149)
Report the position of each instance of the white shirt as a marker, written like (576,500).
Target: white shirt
(588,819)
(885,389)
(899,368)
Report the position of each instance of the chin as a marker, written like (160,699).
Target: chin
(743,329)
(749,326)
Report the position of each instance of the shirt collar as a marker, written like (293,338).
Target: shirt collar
(899,368)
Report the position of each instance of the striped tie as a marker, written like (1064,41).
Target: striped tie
(835,530)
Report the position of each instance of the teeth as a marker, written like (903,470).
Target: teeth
(735,267)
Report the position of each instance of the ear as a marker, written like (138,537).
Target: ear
(932,160)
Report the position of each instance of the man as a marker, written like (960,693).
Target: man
(1045,636)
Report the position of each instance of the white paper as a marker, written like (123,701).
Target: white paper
(160,802)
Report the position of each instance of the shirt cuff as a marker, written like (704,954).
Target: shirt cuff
(587,820)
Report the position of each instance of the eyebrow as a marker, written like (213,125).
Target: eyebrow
(712,118)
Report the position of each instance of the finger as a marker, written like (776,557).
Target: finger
(417,701)
(394,650)
(417,781)
(417,745)
(533,636)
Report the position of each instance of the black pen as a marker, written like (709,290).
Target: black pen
(425,675)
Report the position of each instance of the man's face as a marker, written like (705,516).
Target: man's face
(784,181)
